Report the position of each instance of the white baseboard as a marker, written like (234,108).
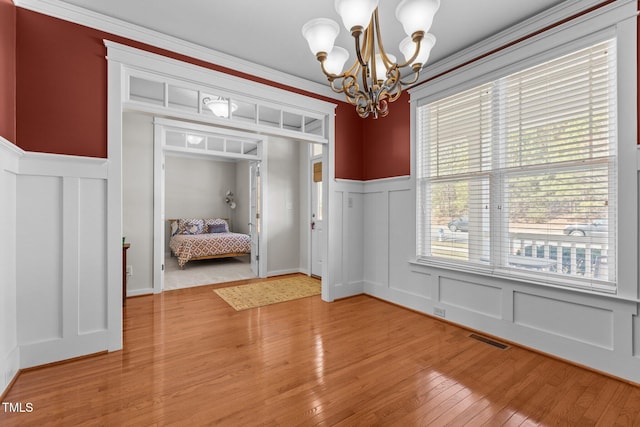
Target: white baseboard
(138,292)
(282,272)
(10,367)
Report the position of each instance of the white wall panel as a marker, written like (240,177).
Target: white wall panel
(418,283)
(578,322)
(376,239)
(636,336)
(61,255)
(473,297)
(401,243)
(92,244)
(39,258)
(346,255)
(9,350)
(353,236)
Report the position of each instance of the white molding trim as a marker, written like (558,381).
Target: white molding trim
(276,273)
(593,26)
(78,15)
(140,292)
(46,164)
(514,33)
(248,89)
(10,147)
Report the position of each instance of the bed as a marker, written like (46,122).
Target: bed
(195,239)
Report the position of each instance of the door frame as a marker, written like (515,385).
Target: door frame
(160,126)
(122,59)
(311,160)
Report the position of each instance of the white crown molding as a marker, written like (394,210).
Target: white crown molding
(597,21)
(78,15)
(538,22)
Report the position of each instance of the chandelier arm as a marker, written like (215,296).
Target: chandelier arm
(359,49)
(395,95)
(352,90)
(393,80)
(383,53)
(417,39)
(329,75)
(364,71)
(416,74)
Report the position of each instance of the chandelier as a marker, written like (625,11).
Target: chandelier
(375,79)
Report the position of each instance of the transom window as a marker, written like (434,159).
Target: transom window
(518,175)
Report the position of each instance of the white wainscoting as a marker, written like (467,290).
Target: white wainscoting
(601,332)
(346,239)
(9,349)
(61,257)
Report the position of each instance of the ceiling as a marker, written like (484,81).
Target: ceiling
(268,33)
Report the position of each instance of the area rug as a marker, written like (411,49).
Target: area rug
(243,297)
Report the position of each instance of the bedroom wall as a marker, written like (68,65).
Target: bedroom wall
(137,197)
(196,188)
(283,206)
(242,193)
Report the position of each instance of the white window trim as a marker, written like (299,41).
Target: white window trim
(618,19)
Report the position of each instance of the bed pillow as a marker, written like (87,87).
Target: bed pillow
(190,226)
(174,228)
(217,228)
(216,225)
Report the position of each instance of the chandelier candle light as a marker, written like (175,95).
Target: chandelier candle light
(375,78)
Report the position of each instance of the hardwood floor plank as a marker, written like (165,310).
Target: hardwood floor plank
(190,359)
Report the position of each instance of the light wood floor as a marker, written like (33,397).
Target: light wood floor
(191,360)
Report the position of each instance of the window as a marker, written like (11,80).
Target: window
(518,175)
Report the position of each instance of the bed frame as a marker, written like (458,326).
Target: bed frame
(225,255)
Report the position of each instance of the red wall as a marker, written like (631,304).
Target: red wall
(62,92)
(349,161)
(387,142)
(7,70)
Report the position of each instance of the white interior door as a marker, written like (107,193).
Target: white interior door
(254,216)
(316,217)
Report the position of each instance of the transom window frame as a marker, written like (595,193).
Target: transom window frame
(615,22)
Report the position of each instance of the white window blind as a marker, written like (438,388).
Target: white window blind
(518,175)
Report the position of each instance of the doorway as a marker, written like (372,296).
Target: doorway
(206,195)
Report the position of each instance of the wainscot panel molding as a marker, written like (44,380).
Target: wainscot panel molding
(347,228)
(9,350)
(61,258)
(601,332)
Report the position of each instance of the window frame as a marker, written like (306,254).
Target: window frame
(612,21)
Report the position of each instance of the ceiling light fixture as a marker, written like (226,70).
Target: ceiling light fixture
(375,78)
(220,106)
(194,139)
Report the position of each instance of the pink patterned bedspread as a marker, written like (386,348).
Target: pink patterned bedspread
(189,246)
